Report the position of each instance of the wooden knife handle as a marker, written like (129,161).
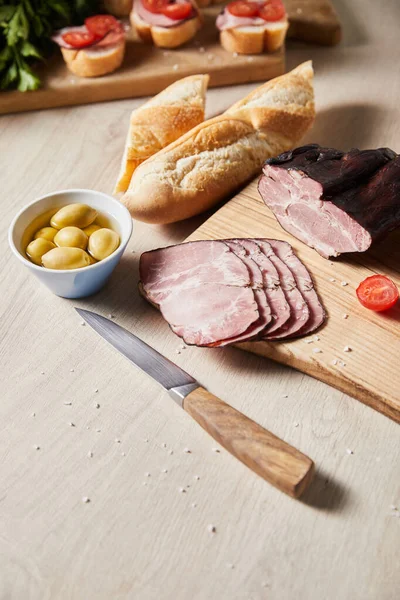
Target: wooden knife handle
(273,459)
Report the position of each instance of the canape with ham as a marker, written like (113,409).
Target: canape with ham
(167,24)
(253,26)
(93,49)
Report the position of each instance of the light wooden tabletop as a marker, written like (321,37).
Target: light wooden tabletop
(139,537)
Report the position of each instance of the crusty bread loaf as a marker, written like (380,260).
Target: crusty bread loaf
(161,121)
(166,37)
(94,62)
(215,158)
(118,8)
(255,40)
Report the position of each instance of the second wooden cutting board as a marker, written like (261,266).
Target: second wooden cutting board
(370,370)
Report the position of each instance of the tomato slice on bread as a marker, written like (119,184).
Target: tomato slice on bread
(377,293)
(273,10)
(79,39)
(100,25)
(155,6)
(178,11)
(242,8)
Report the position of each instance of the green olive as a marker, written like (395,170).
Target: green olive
(77,215)
(71,237)
(46,233)
(65,258)
(102,243)
(37,248)
(91,229)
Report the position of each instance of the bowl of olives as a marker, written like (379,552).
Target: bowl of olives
(71,240)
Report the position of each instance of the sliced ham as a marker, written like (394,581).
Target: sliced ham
(220,292)
(260,297)
(112,38)
(226,20)
(304,283)
(280,309)
(191,265)
(299,310)
(158,19)
(204,316)
(203,290)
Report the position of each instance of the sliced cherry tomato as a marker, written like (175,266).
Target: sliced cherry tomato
(377,293)
(177,11)
(100,25)
(273,10)
(154,6)
(241,8)
(79,39)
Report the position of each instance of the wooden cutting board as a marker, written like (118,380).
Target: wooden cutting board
(371,370)
(147,70)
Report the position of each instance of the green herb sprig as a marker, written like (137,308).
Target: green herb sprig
(25,31)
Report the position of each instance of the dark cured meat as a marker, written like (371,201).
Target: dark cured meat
(332,201)
(333,169)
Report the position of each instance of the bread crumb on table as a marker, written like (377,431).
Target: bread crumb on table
(211,528)
(85,500)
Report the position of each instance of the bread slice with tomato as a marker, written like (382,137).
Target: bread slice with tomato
(253,26)
(166,24)
(95,48)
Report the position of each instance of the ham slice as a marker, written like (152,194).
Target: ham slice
(220,292)
(158,19)
(203,290)
(299,311)
(260,297)
(280,309)
(191,265)
(304,283)
(112,38)
(226,20)
(205,316)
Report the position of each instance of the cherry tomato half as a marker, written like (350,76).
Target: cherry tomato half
(154,6)
(241,8)
(377,293)
(177,11)
(79,39)
(273,10)
(100,25)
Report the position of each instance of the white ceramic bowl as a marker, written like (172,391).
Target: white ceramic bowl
(74,283)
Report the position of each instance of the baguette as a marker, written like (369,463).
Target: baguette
(94,62)
(161,121)
(215,158)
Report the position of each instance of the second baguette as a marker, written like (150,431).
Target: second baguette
(215,158)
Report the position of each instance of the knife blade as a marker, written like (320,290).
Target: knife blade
(284,466)
(174,379)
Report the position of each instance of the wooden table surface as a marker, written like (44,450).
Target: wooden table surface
(139,537)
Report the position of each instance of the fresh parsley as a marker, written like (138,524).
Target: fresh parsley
(25,30)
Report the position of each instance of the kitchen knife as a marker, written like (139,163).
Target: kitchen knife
(273,459)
